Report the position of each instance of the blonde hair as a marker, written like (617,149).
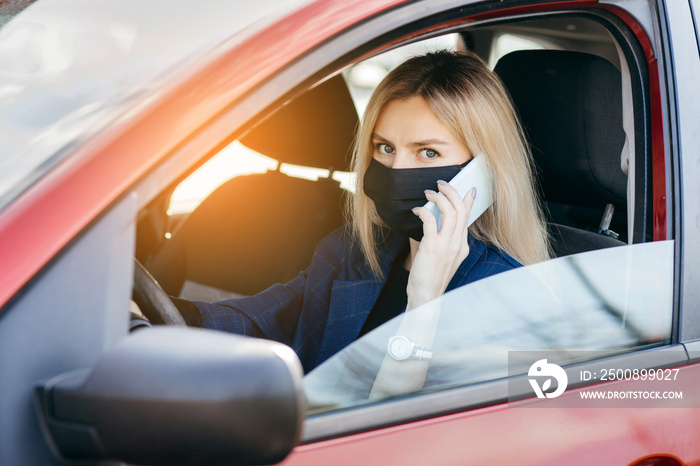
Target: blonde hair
(473,103)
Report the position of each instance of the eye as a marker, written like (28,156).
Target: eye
(429,153)
(383,148)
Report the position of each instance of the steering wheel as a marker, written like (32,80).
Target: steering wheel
(152,300)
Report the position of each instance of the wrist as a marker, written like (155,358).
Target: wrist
(414,302)
(417,297)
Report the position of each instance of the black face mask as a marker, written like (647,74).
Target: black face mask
(395,191)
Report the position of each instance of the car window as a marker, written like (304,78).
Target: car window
(363,77)
(612,300)
(507,43)
(234,160)
(237,160)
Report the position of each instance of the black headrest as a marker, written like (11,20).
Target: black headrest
(314,130)
(570,104)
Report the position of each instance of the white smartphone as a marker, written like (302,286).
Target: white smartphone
(475,175)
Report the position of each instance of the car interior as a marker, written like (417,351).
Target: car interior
(271,218)
(578,157)
(566,80)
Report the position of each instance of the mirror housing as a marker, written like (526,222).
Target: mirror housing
(171,395)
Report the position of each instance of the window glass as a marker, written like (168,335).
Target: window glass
(238,160)
(611,300)
(507,43)
(363,77)
(234,160)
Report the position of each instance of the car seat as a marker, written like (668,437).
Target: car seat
(256,230)
(570,105)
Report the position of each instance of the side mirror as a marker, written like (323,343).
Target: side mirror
(178,396)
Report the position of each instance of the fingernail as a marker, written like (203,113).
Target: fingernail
(474,192)
(415,210)
(429,191)
(442,182)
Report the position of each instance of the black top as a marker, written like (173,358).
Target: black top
(392,300)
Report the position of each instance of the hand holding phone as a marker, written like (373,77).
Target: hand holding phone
(475,175)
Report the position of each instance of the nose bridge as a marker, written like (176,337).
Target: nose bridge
(403,158)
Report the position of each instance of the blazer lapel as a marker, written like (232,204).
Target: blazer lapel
(352,300)
(351,303)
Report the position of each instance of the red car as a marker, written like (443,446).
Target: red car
(111,111)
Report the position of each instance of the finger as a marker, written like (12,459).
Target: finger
(428,219)
(462,214)
(452,195)
(447,210)
(468,202)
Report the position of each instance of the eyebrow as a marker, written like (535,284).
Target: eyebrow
(425,142)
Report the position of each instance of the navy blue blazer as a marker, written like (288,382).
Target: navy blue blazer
(323,309)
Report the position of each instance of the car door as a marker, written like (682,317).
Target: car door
(487,421)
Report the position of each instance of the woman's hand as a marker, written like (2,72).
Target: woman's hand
(439,253)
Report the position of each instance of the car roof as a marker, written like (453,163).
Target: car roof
(65,75)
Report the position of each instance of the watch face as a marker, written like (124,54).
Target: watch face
(399,348)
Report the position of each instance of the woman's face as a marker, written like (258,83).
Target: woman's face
(408,134)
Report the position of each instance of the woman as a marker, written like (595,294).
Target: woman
(425,121)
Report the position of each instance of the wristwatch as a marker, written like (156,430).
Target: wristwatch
(401,348)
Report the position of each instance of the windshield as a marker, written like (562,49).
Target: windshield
(68,67)
(610,300)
